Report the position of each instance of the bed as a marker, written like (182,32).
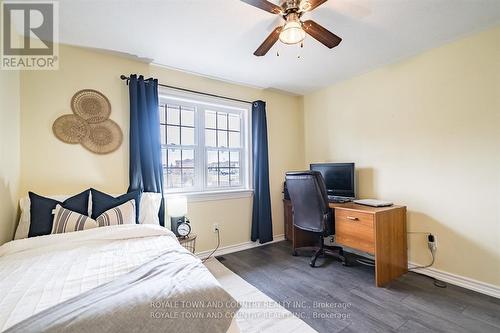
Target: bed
(125,278)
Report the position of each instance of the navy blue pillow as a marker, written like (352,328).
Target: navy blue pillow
(41,211)
(102,202)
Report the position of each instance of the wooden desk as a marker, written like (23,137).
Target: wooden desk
(380,232)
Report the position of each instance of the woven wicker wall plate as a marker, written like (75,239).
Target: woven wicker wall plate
(104,137)
(91,105)
(70,129)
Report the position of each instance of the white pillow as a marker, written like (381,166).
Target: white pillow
(148,211)
(150,206)
(23,228)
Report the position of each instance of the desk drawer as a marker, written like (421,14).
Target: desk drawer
(354,229)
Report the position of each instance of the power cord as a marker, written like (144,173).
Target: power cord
(432,248)
(216,248)
(366,262)
(425,266)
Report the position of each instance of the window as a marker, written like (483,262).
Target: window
(205,143)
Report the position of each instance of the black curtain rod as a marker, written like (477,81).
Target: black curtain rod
(123,77)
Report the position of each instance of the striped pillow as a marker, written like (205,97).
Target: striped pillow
(123,214)
(66,220)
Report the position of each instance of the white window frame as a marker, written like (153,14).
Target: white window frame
(202,103)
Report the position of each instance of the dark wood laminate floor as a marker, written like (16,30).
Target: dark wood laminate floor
(334,298)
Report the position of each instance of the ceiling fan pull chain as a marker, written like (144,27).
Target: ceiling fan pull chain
(299,56)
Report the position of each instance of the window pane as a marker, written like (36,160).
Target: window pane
(221,120)
(223,146)
(234,177)
(188,158)
(212,159)
(234,122)
(223,159)
(173,115)
(210,140)
(187,117)
(174,179)
(174,158)
(161,110)
(187,177)
(224,177)
(234,159)
(221,138)
(164,157)
(173,135)
(163,134)
(187,138)
(212,177)
(210,119)
(234,140)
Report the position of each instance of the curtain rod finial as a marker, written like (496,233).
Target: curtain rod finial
(123,77)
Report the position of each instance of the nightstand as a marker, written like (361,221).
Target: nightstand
(189,242)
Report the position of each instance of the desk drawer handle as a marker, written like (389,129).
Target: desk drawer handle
(352,218)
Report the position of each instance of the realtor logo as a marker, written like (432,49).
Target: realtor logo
(29,35)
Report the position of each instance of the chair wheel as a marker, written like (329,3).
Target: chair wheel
(312,263)
(294,253)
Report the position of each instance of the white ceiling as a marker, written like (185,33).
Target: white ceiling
(216,38)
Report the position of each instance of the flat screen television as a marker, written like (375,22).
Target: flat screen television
(339,178)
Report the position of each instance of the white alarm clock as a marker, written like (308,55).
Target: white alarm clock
(180,226)
(183,228)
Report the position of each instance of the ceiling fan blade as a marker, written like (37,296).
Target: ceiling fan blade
(313,4)
(264,5)
(268,43)
(322,35)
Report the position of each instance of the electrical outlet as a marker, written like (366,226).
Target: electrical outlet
(432,242)
(215,227)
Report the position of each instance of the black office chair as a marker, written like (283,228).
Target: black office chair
(310,210)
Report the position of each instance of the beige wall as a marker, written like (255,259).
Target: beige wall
(52,167)
(9,152)
(425,132)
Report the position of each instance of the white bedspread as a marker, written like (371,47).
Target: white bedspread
(37,273)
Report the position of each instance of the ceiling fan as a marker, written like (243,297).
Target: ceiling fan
(294,30)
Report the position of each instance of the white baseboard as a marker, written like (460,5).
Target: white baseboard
(238,247)
(461,281)
(457,280)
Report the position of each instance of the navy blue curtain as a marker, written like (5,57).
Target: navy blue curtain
(146,171)
(262,226)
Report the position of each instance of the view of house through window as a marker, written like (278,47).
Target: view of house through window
(223,140)
(205,145)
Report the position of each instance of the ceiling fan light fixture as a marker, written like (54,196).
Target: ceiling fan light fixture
(292,32)
(305,5)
